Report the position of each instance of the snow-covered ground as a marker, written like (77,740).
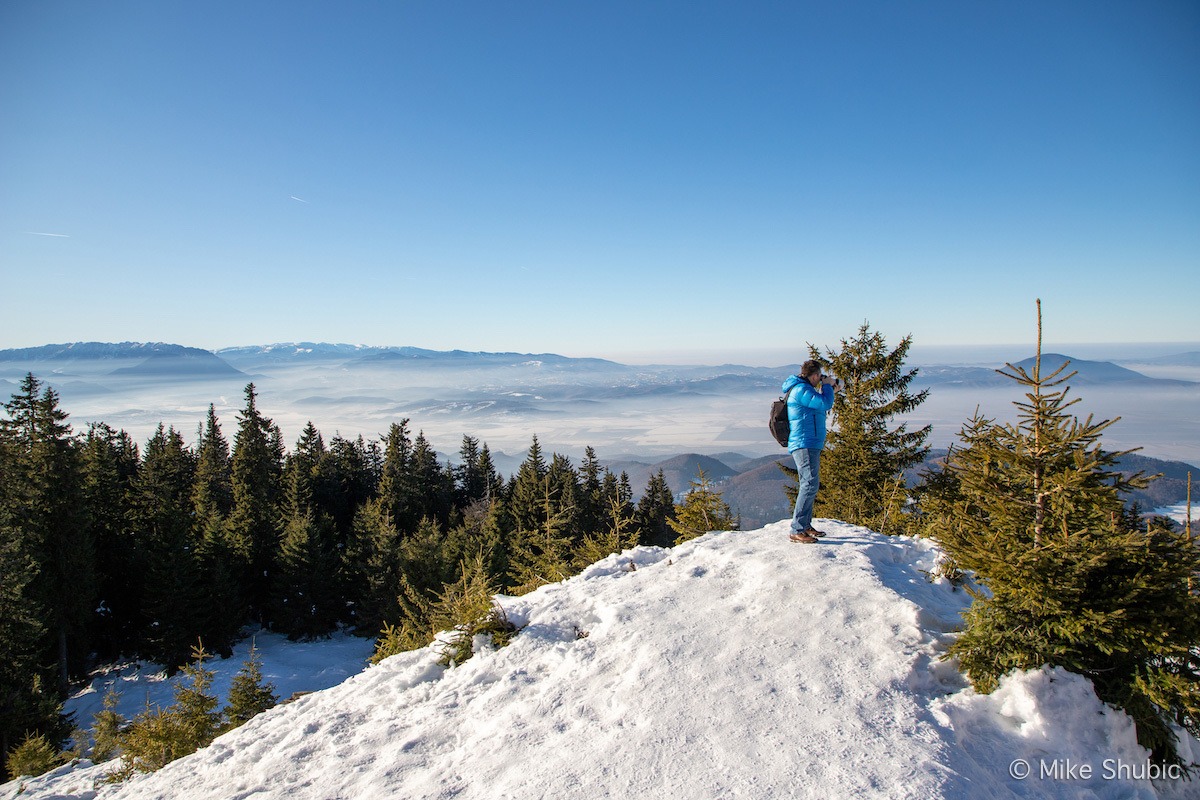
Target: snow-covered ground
(736,665)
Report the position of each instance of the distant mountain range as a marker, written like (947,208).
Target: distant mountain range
(161,360)
(131,360)
(503,398)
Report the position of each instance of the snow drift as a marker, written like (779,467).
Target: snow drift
(735,665)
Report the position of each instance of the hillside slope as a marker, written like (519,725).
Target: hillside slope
(735,665)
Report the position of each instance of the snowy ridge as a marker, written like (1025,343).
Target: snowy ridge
(735,665)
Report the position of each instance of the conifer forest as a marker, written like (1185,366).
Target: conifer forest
(113,549)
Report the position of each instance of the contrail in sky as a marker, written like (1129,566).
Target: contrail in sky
(55,235)
(299,199)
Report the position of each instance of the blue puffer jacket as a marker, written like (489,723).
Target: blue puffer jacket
(806,413)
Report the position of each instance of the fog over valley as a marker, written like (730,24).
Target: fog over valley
(631,412)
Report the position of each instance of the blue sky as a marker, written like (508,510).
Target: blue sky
(607,179)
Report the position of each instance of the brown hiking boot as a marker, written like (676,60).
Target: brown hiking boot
(803,537)
(814,532)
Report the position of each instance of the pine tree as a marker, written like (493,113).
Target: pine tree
(110,463)
(344,479)
(161,505)
(1034,510)
(306,597)
(422,557)
(863,465)
(541,554)
(256,479)
(396,486)
(455,616)
(44,509)
(655,511)
(249,696)
(222,610)
(22,640)
(701,512)
(34,756)
(621,534)
(106,728)
(470,483)
(563,481)
(373,566)
(592,509)
(525,502)
(434,485)
(158,736)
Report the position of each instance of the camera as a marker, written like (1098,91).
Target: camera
(837,382)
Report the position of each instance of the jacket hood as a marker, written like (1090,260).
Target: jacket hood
(792,380)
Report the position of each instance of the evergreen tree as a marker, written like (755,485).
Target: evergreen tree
(222,610)
(22,641)
(396,485)
(374,567)
(457,615)
(621,534)
(542,554)
(563,481)
(1033,509)
(862,467)
(106,729)
(161,510)
(422,557)
(344,481)
(469,484)
(110,463)
(526,502)
(655,511)
(701,512)
(434,484)
(43,509)
(592,510)
(249,696)
(34,756)
(253,525)
(306,600)
(158,736)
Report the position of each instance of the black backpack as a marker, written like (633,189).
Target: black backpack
(779,424)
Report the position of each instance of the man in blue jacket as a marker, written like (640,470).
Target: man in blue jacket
(810,398)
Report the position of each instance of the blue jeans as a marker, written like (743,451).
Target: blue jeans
(808,465)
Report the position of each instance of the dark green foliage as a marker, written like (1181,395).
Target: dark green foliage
(160,506)
(253,524)
(701,512)
(374,567)
(620,534)
(47,554)
(42,490)
(306,601)
(22,637)
(110,464)
(198,542)
(541,554)
(249,696)
(222,608)
(655,511)
(475,477)
(1033,509)
(862,467)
